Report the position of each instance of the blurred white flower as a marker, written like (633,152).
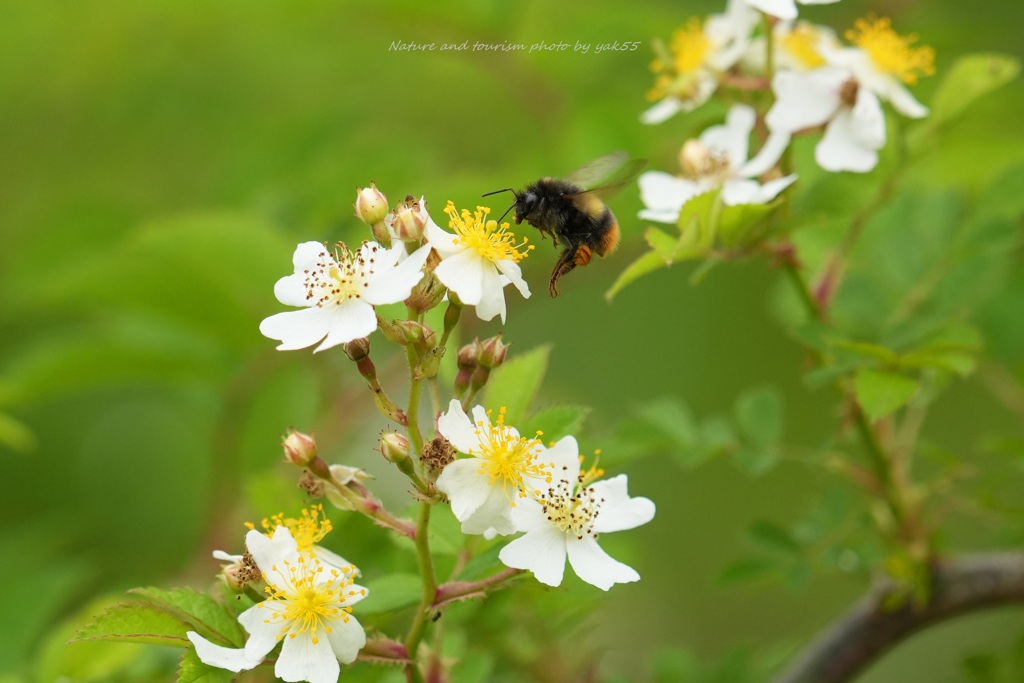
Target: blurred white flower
(565,523)
(784,9)
(718,159)
(308,610)
(799,46)
(502,469)
(478,260)
(845,96)
(697,56)
(339,295)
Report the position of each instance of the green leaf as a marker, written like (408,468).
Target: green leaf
(971,77)
(757,461)
(556,421)
(515,383)
(881,393)
(137,622)
(664,244)
(203,614)
(390,593)
(743,225)
(192,670)
(759,416)
(445,532)
(645,265)
(773,537)
(696,218)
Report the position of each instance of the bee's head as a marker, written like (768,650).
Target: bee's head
(517,204)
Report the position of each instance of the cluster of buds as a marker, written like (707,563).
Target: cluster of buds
(475,361)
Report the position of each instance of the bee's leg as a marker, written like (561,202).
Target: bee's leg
(570,258)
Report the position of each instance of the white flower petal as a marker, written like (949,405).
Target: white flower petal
(465,486)
(595,566)
(662,111)
(738,191)
(869,119)
(564,460)
(396,284)
(232,659)
(492,295)
(308,254)
(803,100)
(226,557)
(514,273)
(444,242)
(494,513)
(291,290)
(463,273)
(262,634)
(347,638)
(351,320)
(541,552)
(664,195)
(297,329)
(618,511)
(842,148)
(733,138)
(332,559)
(783,9)
(905,103)
(528,515)
(767,156)
(456,426)
(303,660)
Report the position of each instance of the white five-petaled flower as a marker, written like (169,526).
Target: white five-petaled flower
(845,95)
(503,468)
(718,159)
(339,294)
(784,9)
(698,55)
(799,46)
(565,523)
(308,610)
(478,260)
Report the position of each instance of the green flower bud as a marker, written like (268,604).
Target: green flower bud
(299,448)
(371,205)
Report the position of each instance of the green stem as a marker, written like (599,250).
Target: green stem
(413,414)
(426,567)
(792,271)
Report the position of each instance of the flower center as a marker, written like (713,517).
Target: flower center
(508,457)
(686,54)
(486,237)
(307,604)
(572,512)
(802,43)
(700,162)
(333,282)
(890,51)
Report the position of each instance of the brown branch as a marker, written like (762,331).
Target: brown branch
(868,630)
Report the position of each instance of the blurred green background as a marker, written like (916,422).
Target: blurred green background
(158,163)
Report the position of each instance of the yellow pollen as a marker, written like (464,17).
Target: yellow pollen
(572,509)
(308,603)
(689,50)
(486,237)
(507,457)
(309,529)
(890,51)
(802,43)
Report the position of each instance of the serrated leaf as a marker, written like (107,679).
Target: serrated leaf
(390,593)
(881,393)
(971,77)
(771,536)
(192,670)
(137,622)
(556,421)
(697,216)
(644,265)
(663,243)
(759,416)
(203,614)
(747,570)
(515,383)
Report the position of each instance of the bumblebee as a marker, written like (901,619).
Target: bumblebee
(571,209)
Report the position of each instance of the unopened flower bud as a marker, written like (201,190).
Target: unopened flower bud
(469,355)
(408,220)
(492,352)
(418,334)
(394,447)
(371,205)
(299,448)
(427,294)
(357,349)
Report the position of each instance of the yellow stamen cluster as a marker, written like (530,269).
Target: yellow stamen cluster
(485,236)
(306,601)
(309,529)
(334,281)
(689,49)
(507,457)
(890,51)
(802,43)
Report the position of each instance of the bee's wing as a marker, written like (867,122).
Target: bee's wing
(606,174)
